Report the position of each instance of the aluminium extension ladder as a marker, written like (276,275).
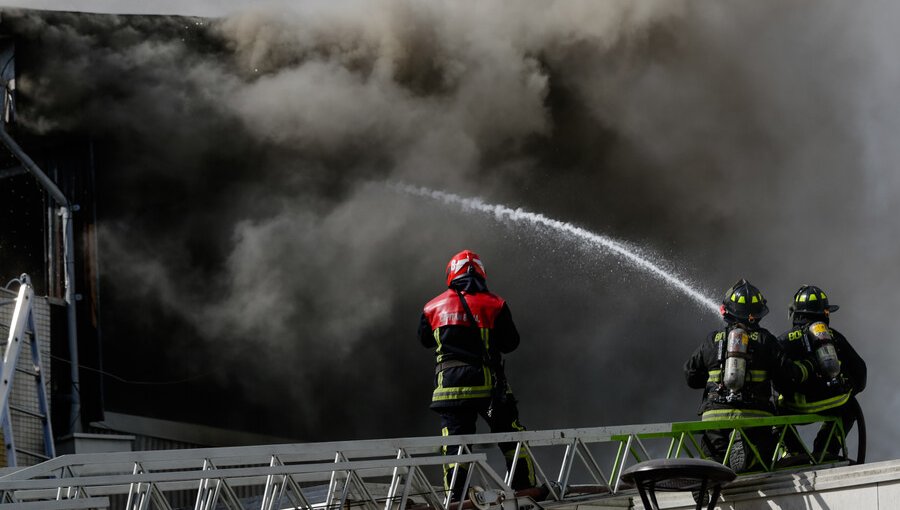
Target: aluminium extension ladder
(375,474)
(22,329)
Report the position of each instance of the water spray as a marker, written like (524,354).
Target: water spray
(608,244)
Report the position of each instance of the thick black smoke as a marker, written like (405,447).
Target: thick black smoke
(735,139)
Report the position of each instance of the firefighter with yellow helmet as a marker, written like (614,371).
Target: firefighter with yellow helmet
(838,372)
(469,329)
(735,366)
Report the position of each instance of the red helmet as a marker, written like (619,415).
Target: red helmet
(463,263)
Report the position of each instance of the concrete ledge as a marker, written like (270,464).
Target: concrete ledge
(80,442)
(873,486)
(193,434)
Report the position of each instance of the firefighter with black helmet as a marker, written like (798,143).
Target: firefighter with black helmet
(735,366)
(838,372)
(469,329)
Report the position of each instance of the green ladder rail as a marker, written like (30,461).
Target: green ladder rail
(399,473)
(683,442)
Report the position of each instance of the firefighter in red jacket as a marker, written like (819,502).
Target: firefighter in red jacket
(469,329)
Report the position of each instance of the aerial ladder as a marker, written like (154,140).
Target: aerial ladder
(30,413)
(573,467)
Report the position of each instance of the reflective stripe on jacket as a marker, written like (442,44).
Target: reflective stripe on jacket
(733,414)
(796,402)
(461,383)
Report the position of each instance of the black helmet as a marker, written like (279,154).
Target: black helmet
(744,302)
(811,300)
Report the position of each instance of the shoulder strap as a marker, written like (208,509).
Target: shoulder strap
(723,347)
(485,355)
(468,310)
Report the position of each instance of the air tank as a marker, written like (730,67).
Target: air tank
(826,355)
(735,359)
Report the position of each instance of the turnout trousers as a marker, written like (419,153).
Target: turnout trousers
(459,420)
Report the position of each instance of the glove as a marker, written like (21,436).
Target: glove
(839,383)
(805,371)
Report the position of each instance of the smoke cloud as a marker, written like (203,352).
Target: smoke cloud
(733,139)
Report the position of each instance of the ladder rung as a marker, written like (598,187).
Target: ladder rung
(33,454)
(27,411)
(29,372)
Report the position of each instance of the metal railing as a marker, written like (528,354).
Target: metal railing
(373,474)
(682,441)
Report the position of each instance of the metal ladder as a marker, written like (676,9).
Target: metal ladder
(574,466)
(22,329)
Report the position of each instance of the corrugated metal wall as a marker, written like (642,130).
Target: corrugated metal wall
(27,430)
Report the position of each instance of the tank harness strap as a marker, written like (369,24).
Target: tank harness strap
(485,354)
(494,366)
(444,365)
(722,348)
